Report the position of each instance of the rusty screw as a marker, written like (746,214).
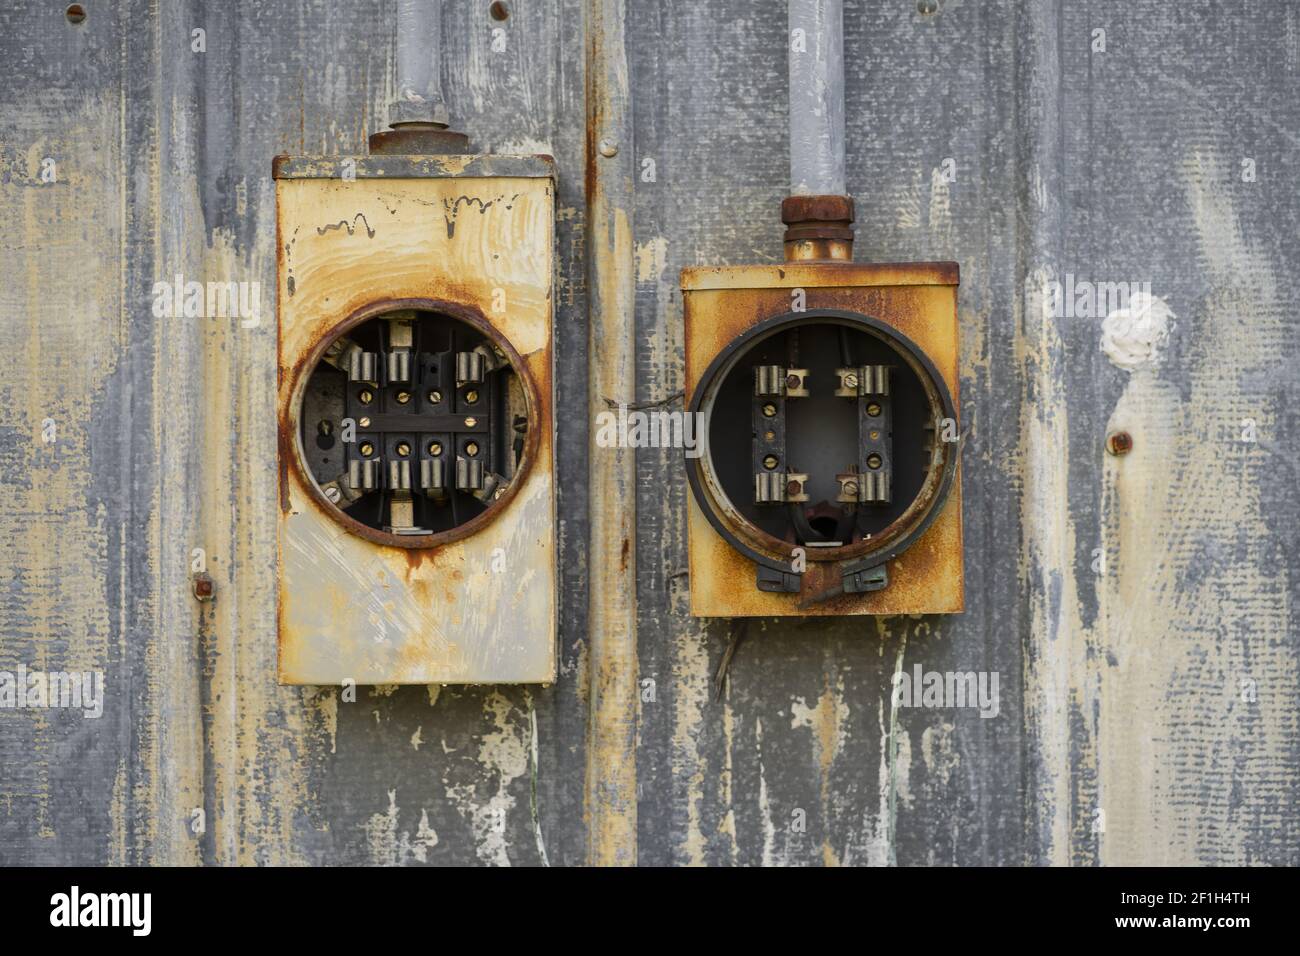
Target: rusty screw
(770,462)
(792,381)
(364,423)
(769,410)
(793,487)
(203,587)
(1119,443)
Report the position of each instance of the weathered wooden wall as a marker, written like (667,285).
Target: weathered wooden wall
(1121,689)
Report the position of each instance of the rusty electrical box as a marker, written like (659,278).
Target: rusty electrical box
(826,398)
(416,489)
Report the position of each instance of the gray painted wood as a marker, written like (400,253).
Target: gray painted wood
(1161,692)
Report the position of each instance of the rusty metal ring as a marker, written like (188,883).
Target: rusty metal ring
(291,423)
(765,549)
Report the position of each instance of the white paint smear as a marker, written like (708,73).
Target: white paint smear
(1133,336)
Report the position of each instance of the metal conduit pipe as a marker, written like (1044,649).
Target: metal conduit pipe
(418,116)
(818,214)
(419,64)
(816,97)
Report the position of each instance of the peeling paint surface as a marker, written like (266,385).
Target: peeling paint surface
(1140,610)
(350,610)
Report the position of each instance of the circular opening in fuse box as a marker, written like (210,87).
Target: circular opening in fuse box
(825,430)
(414,422)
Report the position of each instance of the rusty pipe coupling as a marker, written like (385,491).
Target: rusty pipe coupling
(818,227)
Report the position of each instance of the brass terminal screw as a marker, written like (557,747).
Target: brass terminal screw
(873,409)
(366,449)
(851,380)
(873,461)
(435,448)
(435,396)
(403,449)
(471,422)
(1119,443)
(851,488)
(769,436)
(471,396)
(403,397)
(769,410)
(471,449)
(364,423)
(365,396)
(770,462)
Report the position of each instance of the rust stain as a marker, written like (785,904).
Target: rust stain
(836,274)
(283,453)
(414,560)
